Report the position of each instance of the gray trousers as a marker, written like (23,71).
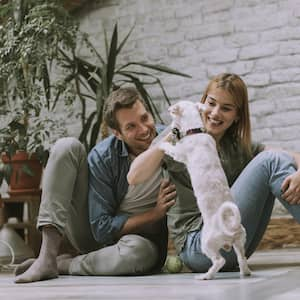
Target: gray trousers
(64,205)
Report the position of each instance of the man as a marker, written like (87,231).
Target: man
(120,230)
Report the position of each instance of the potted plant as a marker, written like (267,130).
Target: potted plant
(24,148)
(32,82)
(95,81)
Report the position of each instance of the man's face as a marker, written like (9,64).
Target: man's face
(137,128)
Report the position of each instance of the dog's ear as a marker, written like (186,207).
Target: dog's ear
(175,110)
(201,106)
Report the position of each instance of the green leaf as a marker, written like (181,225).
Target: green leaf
(7,172)
(125,40)
(27,170)
(95,131)
(142,91)
(112,56)
(160,68)
(86,127)
(95,51)
(46,84)
(157,81)
(85,69)
(105,42)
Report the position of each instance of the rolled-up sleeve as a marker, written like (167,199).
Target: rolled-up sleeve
(105,222)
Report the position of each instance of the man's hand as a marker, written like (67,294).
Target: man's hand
(166,198)
(149,221)
(291,188)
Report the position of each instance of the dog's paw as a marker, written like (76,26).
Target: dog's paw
(163,146)
(167,148)
(205,276)
(245,271)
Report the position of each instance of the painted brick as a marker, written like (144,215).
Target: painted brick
(257,51)
(261,22)
(208,30)
(288,75)
(289,47)
(262,134)
(221,56)
(280,34)
(241,39)
(241,67)
(218,5)
(261,108)
(276,62)
(257,79)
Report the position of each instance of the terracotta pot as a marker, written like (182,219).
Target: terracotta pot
(20,181)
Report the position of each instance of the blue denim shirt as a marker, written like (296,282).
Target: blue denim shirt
(108,167)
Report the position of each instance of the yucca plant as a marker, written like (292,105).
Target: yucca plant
(95,82)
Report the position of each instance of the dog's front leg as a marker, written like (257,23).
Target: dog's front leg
(168,149)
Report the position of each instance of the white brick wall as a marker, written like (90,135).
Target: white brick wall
(257,39)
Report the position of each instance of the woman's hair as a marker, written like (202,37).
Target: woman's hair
(240,131)
(124,97)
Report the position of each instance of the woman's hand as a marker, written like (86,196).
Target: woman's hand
(291,188)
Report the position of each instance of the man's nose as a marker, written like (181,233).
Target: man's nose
(143,128)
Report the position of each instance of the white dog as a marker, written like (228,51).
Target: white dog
(221,217)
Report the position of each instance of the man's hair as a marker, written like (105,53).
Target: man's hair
(124,97)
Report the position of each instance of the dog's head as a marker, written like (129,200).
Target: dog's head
(186,115)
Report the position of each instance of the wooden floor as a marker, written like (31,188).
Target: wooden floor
(276,276)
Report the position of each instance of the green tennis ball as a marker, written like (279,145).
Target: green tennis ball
(174,264)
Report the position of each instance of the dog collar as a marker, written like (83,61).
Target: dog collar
(177,135)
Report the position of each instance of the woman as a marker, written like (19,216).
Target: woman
(256,176)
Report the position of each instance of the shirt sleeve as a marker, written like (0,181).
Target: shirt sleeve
(105,222)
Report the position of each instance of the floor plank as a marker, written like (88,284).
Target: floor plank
(275,275)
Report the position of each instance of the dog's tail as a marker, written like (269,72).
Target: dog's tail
(229,218)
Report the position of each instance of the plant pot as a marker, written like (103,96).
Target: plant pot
(20,181)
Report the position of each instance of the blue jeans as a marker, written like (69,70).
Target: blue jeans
(254,192)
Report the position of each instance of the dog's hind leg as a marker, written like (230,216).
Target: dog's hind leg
(217,263)
(239,249)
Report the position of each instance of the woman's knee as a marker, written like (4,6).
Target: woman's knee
(196,261)
(274,157)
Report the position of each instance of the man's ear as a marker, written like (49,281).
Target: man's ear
(117,133)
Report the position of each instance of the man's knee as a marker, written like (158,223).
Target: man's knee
(67,147)
(140,253)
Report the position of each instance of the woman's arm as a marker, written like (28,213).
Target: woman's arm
(145,165)
(291,185)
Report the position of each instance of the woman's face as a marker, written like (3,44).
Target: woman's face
(221,112)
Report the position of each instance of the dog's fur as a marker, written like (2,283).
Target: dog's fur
(221,217)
